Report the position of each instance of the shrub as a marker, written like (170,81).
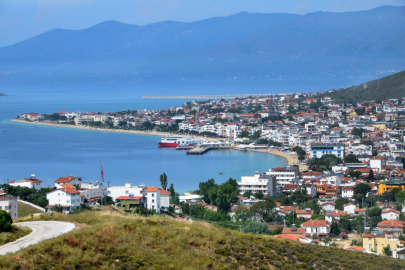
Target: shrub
(5,221)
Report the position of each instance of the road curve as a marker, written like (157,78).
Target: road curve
(41,230)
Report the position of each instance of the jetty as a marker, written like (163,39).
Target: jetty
(199,150)
(229,96)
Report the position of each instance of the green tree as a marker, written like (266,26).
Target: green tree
(185,208)
(264,208)
(5,221)
(374,212)
(204,188)
(244,134)
(57,208)
(174,197)
(351,159)
(400,197)
(259,195)
(358,131)
(387,251)
(335,229)
(247,194)
(340,202)
(371,175)
(163,181)
(361,189)
(256,227)
(355,174)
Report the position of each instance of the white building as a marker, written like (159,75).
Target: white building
(10,205)
(318,150)
(350,207)
(90,190)
(347,192)
(331,179)
(311,190)
(152,195)
(115,192)
(68,198)
(316,227)
(284,175)
(258,183)
(390,214)
(31,182)
(328,206)
(71,180)
(164,198)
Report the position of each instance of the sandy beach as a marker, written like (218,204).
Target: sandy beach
(291,159)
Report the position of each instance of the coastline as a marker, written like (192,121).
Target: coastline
(291,159)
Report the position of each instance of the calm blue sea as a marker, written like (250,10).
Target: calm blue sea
(51,152)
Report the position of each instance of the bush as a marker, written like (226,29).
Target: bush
(257,227)
(5,221)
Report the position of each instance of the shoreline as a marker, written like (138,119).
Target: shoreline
(291,159)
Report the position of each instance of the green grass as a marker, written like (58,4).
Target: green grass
(26,210)
(114,241)
(15,233)
(390,87)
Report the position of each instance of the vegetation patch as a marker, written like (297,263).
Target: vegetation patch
(14,234)
(25,210)
(115,241)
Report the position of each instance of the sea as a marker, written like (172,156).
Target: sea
(51,152)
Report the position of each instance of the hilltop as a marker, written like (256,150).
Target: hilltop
(107,240)
(243,46)
(392,86)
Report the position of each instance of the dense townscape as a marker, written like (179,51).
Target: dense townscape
(346,180)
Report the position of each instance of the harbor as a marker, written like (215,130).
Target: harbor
(228,96)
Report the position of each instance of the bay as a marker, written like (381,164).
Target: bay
(52,152)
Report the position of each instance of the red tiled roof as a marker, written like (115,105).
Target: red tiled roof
(70,190)
(355,248)
(393,223)
(164,192)
(7,198)
(298,231)
(315,223)
(127,198)
(391,210)
(151,189)
(360,210)
(325,203)
(290,237)
(64,179)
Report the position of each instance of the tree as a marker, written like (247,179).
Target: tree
(340,202)
(264,208)
(259,195)
(174,197)
(256,227)
(57,208)
(355,174)
(244,134)
(335,228)
(351,159)
(185,208)
(371,175)
(361,189)
(387,251)
(247,194)
(5,221)
(163,181)
(204,188)
(358,131)
(375,212)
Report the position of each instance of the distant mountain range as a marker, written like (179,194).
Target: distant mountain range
(239,47)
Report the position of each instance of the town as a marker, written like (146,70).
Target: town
(344,179)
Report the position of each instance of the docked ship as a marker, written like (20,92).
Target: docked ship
(176,141)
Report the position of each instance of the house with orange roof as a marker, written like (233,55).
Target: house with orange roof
(68,198)
(334,215)
(31,182)
(305,213)
(290,237)
(71,180)
(328,206)
(392,228)
(152,195)
(316,228)
(294,231)
(359,211)
(390,214)
(130,203)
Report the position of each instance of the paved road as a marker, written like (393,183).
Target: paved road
(41,230)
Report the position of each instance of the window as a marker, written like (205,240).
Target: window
(370,246)
(1,207)
(369,238)
(153,194)
(153,201)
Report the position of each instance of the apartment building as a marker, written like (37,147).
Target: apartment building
(10,205)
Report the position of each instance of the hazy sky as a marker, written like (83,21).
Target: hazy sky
(22,19)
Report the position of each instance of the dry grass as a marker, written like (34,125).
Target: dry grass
(25,210)
(15,233)
(114,241)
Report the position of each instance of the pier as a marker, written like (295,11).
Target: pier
(199,150)
(214,96)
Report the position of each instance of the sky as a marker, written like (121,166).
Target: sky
(22,19)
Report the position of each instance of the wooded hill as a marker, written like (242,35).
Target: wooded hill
(392,86)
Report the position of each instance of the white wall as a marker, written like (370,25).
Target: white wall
(10,205)
(115,192)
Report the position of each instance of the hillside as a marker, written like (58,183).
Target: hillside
(392,86)
(242,46)
(110,240)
